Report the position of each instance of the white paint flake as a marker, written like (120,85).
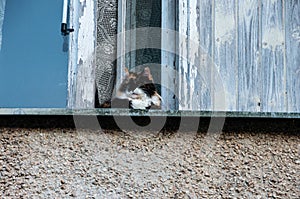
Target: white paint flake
(296,34)
(225,25)
(273,38)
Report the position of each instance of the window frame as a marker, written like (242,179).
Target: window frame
(82,47)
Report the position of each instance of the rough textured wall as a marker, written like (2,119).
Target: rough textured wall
(65,163)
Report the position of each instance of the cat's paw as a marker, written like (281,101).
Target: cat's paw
(140,104)
(156,100)
(106,104)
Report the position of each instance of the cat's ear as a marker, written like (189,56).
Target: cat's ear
(147,73)
(126,72)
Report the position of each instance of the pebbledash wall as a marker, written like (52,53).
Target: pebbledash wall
(239,56)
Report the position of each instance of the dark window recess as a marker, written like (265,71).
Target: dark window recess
(139,14)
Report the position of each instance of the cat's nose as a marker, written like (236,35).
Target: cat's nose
(135,96)
(138,91)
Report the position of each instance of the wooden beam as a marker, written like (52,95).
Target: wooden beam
(292,37)
(81,86)
(249,66)
(273,78)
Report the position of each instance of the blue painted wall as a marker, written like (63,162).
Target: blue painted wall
(33,66)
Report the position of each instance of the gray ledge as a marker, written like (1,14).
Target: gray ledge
(127,112)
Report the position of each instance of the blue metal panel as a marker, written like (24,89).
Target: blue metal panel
(33,65)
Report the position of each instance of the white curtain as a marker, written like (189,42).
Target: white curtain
(2,8)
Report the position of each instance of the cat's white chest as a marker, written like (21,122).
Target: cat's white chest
(142,101)
(140,104)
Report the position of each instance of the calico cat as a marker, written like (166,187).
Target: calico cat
(137,91)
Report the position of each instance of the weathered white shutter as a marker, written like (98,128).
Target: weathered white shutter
(292,35)
(239,55)
(81,86)
(169,70)
(207,69)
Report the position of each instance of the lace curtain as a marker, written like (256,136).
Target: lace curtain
(106,48)
(2,8)
(148,15)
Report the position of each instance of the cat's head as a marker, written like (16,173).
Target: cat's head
(139,88)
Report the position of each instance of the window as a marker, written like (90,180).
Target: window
(207,55)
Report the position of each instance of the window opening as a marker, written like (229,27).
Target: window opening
(137,14)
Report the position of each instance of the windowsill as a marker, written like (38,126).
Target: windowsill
(131,112)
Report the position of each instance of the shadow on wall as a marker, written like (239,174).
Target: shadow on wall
(233,126)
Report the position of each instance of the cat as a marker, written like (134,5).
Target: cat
(137,91)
